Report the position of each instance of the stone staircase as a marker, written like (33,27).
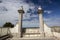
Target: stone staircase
(28,35)
(25,37)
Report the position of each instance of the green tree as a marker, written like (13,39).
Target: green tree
(8,24)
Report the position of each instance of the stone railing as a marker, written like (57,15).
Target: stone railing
(4,31)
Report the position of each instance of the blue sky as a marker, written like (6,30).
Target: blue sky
(8,12)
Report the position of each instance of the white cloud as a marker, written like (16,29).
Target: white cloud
(52,21)
(12,6)
(48,11)
(34,15)
(26,16)
(32,23)
(11,15)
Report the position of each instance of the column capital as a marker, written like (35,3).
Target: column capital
(21,10)
(40,10)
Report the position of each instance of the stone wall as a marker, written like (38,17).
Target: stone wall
(47,30)
(15,29)
(56,34)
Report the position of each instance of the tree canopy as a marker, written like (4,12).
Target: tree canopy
(8,24)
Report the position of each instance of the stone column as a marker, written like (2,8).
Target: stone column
(21,11)
(41,25)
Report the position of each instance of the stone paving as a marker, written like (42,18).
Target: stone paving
(41,38)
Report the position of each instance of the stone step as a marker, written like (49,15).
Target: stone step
(46,38)
(31,35)
(27,35)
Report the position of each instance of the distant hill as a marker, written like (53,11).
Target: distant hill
(55,29)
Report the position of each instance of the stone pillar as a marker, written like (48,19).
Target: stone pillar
(41,25)
(21,11)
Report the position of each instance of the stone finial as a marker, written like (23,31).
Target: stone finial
(21,8)
(40,8)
